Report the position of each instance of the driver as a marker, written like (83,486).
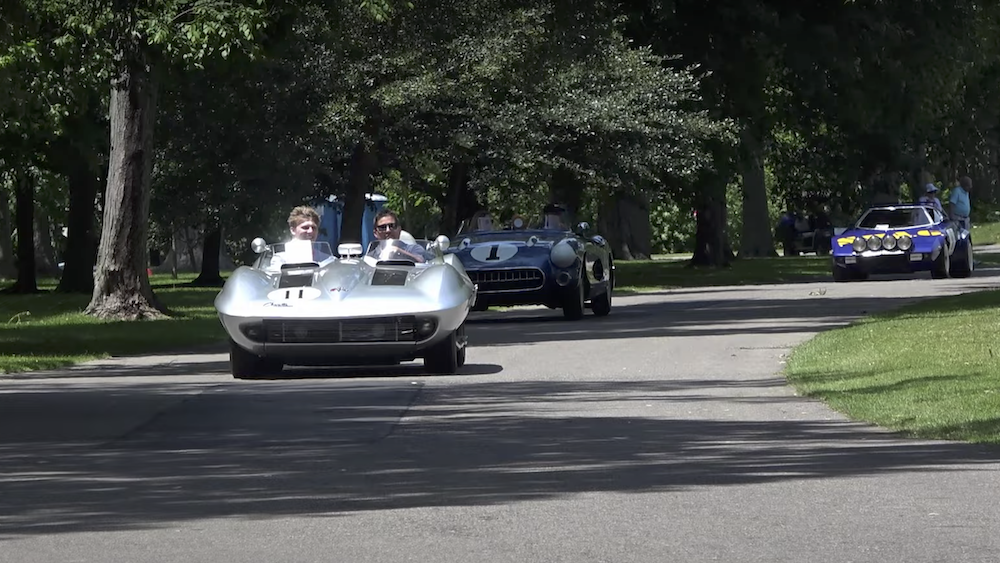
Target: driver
(553,217)
(387,228)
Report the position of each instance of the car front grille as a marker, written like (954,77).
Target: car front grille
(514,279)
(333,331)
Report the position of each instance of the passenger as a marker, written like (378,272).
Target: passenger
(303,222)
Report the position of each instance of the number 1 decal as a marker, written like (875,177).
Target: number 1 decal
(494,252)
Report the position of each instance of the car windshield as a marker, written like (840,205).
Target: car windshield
(294,252)
(894,218)
(392,249)
(554,221)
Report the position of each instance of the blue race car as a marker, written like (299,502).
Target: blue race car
(902,239)
(542,264)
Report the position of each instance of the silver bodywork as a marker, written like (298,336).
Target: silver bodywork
(318,308)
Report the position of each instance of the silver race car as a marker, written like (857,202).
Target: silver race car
(300,304)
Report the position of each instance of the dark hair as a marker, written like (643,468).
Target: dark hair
(386,213)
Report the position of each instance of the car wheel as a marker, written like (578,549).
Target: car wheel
(443,357)
(463,343)
(942,266)
(963,268)
(842,274)
(247,365)
(601,305)
(573,305)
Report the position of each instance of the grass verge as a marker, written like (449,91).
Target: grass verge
(987,233)
(48,330)
(639,275)
(929,370)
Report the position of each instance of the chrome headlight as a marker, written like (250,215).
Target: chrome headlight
(563,255)
(889,242)
(874,243)
(859,245)
(904,243)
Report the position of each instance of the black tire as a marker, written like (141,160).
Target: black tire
(443,357)
(573,305)
(942,266)
(963,268)
(842,274)
(463,343)
(246,365)
(601,304)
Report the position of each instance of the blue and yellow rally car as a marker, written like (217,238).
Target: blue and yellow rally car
(901,239)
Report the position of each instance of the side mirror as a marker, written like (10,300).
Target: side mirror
(258,245)
(349,249)
(583,227)
(441,244)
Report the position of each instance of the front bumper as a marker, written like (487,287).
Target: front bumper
(305,341)
(523,286)
(887,262)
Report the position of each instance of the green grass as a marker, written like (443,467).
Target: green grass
(931,370)
(987,233)
(640,275)
(48,330)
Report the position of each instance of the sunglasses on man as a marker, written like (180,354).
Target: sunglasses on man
(385,227)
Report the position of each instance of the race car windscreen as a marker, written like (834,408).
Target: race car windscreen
(295,252)
(391,249)
(894,218)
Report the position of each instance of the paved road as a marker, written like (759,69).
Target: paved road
(661,433)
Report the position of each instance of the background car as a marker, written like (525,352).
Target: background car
(902,239)
(299,304)
(545,263)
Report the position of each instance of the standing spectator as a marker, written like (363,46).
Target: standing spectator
(959,203)
(931,197)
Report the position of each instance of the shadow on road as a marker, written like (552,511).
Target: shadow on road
(218,364)
(686,316)
(301,448)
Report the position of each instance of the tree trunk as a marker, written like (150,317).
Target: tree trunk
(566,189)
(78,269)
(121,286)
(173,253)
(24,210)
(624,221)
(190,246)
(711,245)
(210,276)
(460,202)
(45,259)
(7,268)
(756,240)
(364,162)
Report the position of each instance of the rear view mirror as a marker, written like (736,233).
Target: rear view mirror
(258,245)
